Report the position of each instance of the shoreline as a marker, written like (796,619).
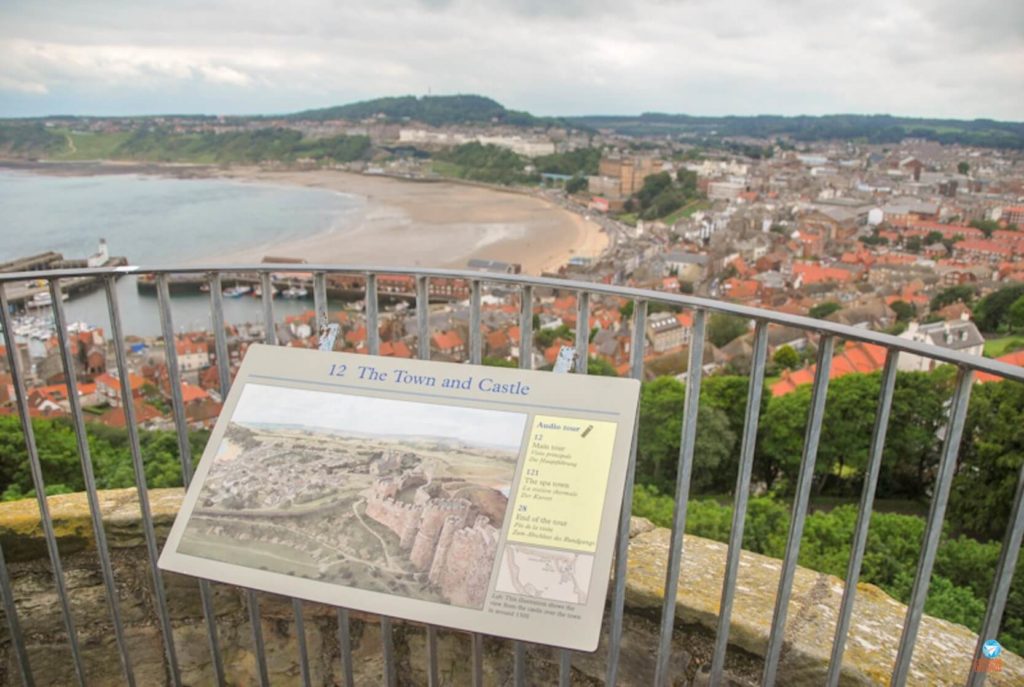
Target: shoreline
(439,224)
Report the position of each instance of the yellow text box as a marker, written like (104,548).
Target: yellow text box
(561,490)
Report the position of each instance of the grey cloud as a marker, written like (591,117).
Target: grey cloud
(569,57)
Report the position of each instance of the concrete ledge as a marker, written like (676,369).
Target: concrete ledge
(942,655)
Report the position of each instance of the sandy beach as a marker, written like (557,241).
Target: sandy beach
(432,224)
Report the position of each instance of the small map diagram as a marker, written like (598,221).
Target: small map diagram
(545,573)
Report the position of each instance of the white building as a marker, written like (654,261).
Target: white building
(959,335)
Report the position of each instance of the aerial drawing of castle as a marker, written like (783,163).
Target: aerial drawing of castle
(417,516)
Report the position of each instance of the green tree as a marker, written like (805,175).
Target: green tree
(964,293)
(963,167)
(904,311)
(786,357)
(823,310)
(600,367)
(658,439)
(1015,315)
(723,328)
(991,455)
(993,311)
(577,184)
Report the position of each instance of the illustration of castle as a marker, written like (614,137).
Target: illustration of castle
(447,538)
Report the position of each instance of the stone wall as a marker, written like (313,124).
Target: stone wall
(942,655)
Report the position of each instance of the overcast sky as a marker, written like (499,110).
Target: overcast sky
(954,58)
(367,415)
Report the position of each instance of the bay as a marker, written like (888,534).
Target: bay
(159,221)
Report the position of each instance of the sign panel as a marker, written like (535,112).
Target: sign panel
(478,498)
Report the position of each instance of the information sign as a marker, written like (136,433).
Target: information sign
(479,498)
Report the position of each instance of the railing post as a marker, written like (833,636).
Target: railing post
(816,416)
(860,536)
(636,353)
(933,530)
(38,483)
(687,442)
(739,512)
(85,459)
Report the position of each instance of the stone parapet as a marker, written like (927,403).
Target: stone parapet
(942,654)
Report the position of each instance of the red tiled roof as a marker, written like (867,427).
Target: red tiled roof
(190,393)
(395,349)
(813,273)
(447,341)
(857,357)
(1015,358)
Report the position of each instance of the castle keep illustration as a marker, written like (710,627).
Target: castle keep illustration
(447,538)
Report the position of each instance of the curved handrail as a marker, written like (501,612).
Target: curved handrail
(826,327)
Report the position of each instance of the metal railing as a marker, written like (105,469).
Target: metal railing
(828,332)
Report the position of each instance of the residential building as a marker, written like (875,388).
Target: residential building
(959,335)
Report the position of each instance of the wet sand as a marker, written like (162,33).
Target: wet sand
(432,224)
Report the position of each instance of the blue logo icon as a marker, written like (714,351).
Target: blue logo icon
(991,649)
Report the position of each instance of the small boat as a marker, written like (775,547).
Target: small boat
(43,300)
(237,291)
(295,292)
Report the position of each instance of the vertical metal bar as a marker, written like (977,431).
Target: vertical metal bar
(185,454)
(582,351)
(220,344)
(139,468)
(252,601)
(320,301)
(85,459)
(345,639)
(582,331)
(478,659)
(526,328)
(867,499)
(636,352)
(423,317)
(433,679)
(423,345)
(268,309)
(475,335)
(1004,576)
(372,323)
(300,634)
(933,531)
(739,511)
(519,664)
(525,363)
(803,492)
(11,612)
(36,470)
(174,377)
(684,471)
(388,643)
(564,668)
(270,338)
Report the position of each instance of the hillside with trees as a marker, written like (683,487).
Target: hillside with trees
(435,110)
(986,133)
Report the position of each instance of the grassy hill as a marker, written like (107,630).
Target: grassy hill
(436,110)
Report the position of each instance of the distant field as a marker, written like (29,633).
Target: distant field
(91,146)
(1003,345)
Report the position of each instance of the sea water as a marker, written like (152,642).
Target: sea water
(154,221)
